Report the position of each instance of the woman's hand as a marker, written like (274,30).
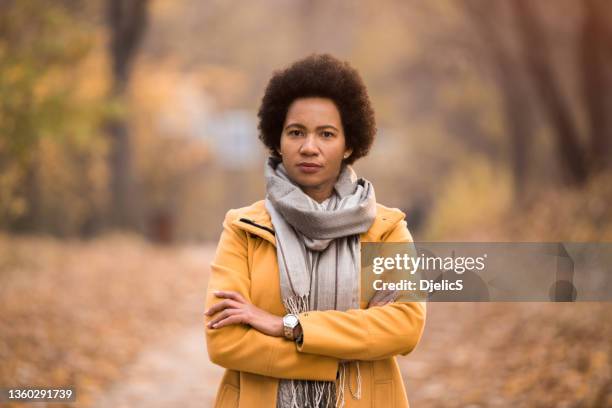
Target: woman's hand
(235,309)
(383,297)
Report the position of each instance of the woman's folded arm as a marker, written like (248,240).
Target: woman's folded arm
(366,334)
(242,348)
(363,334)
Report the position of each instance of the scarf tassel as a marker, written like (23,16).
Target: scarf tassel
(315,394)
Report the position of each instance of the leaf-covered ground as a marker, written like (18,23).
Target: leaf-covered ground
(513,355)
(79,313)
(118,318)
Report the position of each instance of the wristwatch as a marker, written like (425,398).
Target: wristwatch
(290,321)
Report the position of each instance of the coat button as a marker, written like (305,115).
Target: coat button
(305,314)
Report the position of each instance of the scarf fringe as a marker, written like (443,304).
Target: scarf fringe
(297,304)
(322,392)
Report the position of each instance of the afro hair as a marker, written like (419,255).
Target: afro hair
(319,75)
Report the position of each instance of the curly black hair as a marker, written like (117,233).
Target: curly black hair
(319,75)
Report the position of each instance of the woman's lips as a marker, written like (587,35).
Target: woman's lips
(309,168)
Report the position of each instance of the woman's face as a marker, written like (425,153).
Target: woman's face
(313,146)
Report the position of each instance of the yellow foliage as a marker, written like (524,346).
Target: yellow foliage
(474,194)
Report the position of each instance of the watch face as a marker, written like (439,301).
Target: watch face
(290,320)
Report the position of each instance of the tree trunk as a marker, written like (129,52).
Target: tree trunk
(127,21)
(510,82)
(595,64)
(570,152)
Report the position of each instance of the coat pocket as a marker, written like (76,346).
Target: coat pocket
(228,398)
(383,394)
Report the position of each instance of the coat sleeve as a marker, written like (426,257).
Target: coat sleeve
(365,334)
(240,347)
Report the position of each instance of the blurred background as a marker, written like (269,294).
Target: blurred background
(128,128)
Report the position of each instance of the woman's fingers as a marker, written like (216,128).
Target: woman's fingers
(230,294)
(234,319)
(232,299)
(235,309)
(382,297)
(223,315)
(224,304)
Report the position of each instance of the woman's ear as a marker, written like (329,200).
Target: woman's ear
(347,153)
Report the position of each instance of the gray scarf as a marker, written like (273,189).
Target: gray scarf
(318,251)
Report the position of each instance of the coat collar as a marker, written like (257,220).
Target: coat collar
(256,220)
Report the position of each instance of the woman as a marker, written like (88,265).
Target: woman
(284,315)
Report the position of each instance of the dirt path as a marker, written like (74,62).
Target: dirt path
(175,372)
(460,362)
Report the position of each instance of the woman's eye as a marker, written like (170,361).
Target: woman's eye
(295,132)
(328,134)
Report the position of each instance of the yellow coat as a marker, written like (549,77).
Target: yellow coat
(245,261)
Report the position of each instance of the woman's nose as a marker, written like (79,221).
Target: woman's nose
(309,146)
